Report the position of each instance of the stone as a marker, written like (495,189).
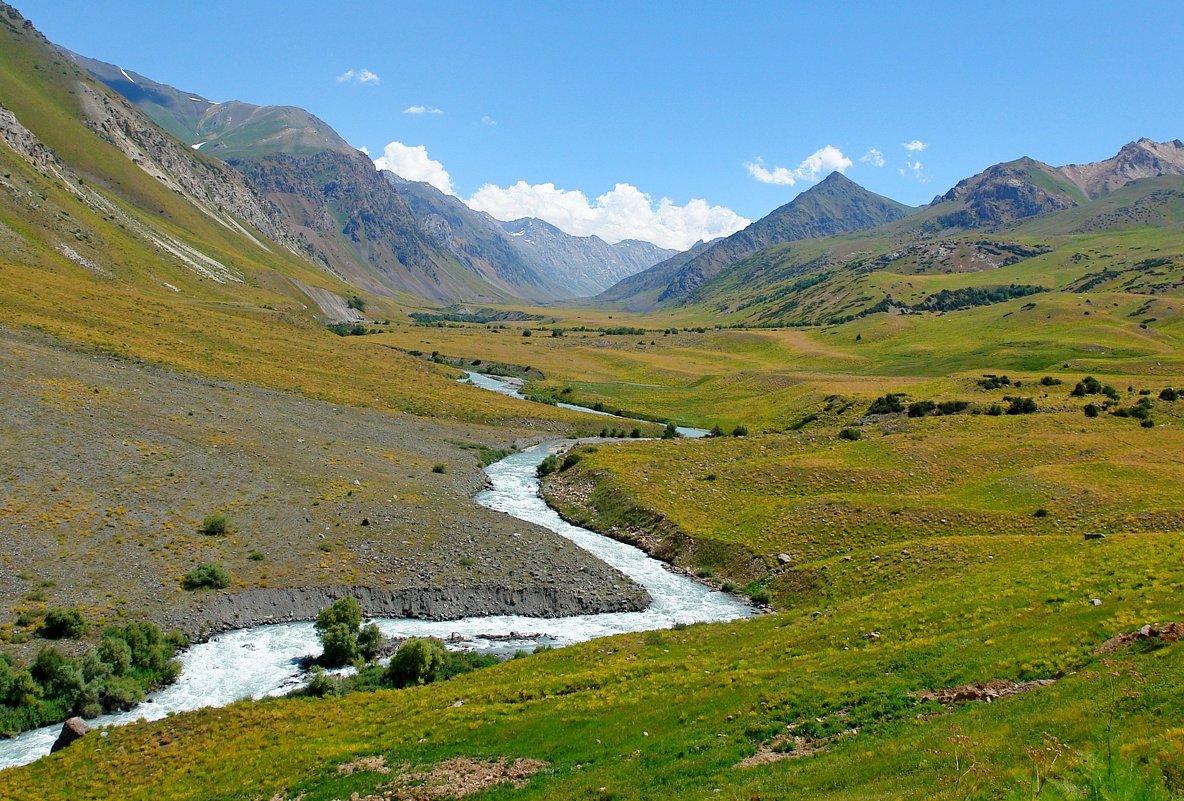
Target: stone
(1095,601)
(73,729)
(1094,535)
(784,558)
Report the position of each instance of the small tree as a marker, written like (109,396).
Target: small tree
(671,431)
(214,525)
(418,661)
(63,624)
(206,577)
(338,625)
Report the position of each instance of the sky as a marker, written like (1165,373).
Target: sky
(669,121)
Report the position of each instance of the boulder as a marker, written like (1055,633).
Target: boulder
(72,729)
(784,558)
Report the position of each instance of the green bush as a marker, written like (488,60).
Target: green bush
(206,577)
(671,431)
(740,431)
(1091,410)
(548,466)
(921,408)
(851,434)
(214,525)
(887,404)
(1021,406)
(439,467)
(340,644)
(1169,394)
(356,303)
(343,640)
(418,661)
(63,624)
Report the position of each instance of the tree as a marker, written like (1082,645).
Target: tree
(418,661)
(63,624)
(338,627)
(203,577)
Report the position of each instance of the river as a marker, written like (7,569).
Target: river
(265,660)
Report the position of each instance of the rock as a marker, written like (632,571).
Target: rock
(1095,601)
(872,635)
(784,558)
(365,521)
(73,729)
(1094,535)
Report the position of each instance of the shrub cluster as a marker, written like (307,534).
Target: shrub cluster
(129,661)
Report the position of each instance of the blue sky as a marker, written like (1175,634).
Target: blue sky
(682,100)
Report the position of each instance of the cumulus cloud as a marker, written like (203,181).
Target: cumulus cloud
(819,163)
(358,76)
(873,157)
(422,110)
(915,146)
(364,149)
(413,163)
(625,212)
(488,120)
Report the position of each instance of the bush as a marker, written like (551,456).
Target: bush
(418,661)
(995,410)
(716,431)
(1169,394)
(635,433)
(671,431)
(346,611)
(337,625)
(1091,410)
(1021,406)
(740,431)
(525,332)
(1049,381)
(356,303)
(887,404)
(992,381)
(206,577)
(761,595)
(63,624)
(548,466)
(921,408)
(214,525)
(1148,423)
(369,641)
(570,460)
(952,407)
(851,434)
(439,467)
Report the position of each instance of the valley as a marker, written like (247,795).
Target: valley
(862,499)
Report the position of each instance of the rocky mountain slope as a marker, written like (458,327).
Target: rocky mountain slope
(585,265)
(1144,158)
(835,205)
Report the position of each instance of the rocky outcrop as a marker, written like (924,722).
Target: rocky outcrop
(1005,193)
(1165,633)
(227,611)
(1144,158)
(73,729)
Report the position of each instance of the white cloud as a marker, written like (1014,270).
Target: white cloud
(488,120)
(873,157)
(625,212)
(413,163)
(915,146)
(913,168)
(422,110)
(819,163)
(359,76)
(364,149)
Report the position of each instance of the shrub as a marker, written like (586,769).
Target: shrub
(761,595)
(337,625)
(851,434)
(995,410)
(1091,410)
(63,624)
(1021,406)
(952,407)
(671,431)
(1049,381)
(439,467)
(206,577)
(1148,423)
(740,431)
(716,431)
(1042,512)
(992,381)
(369,641)
(214,525)
(356,303)
(921,408)
(418,661)
(1169,394)
(548,466)
(887,404)
(635,433)
(525,332)
(570,460)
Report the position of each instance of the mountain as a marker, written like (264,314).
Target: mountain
(1144,158)
(534,254)
(585,264)
(329,193)
(835,205)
